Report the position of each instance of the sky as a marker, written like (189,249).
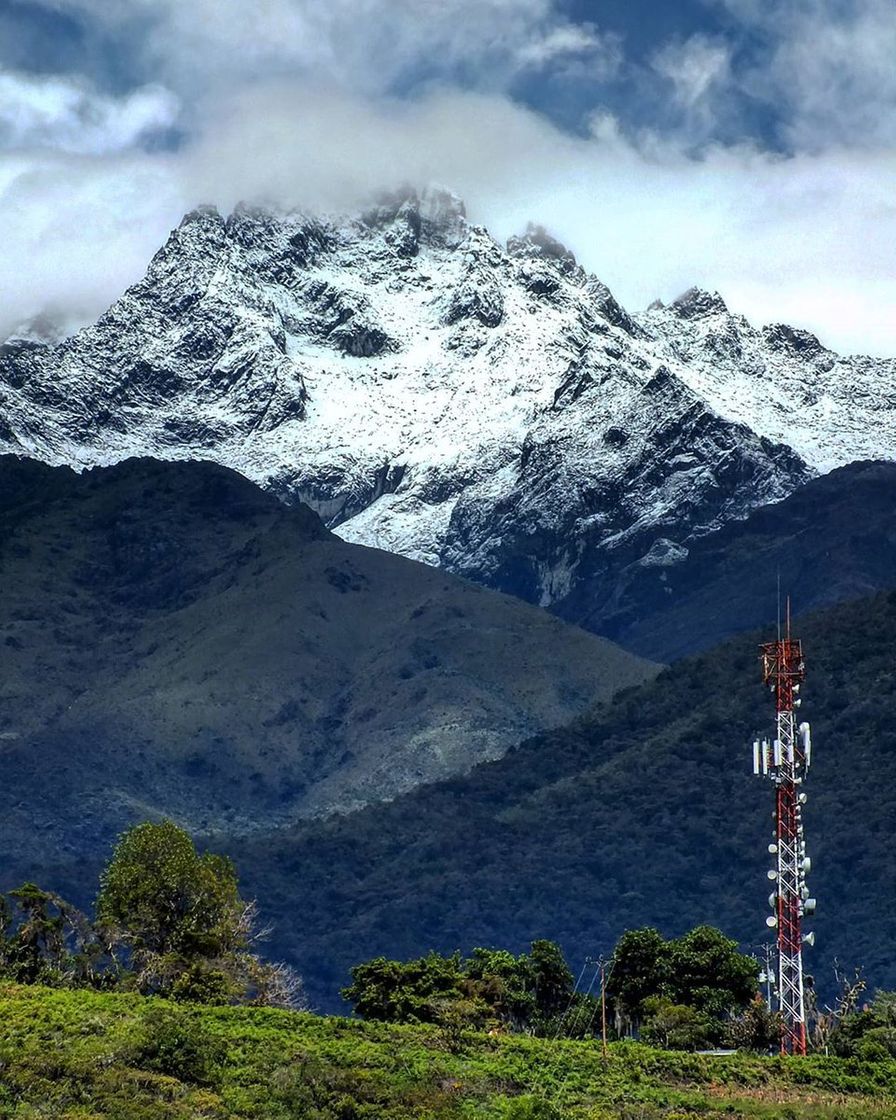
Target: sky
(746,146)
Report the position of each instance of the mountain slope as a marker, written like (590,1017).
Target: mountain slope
(173,640)
(646,813)
(780,380)
(832,540)
(491,411)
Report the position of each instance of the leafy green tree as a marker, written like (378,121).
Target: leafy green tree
(640,969)
(506,984)
(46,940)
(533,992)
(868,1033)
(702,970)
(553,983)
(706,971)
(178,919)
(406,991)
(35,948)
(161,897)
(756,1029)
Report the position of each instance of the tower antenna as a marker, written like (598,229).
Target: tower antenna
(786,761)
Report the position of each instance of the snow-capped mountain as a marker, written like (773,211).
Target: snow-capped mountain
(781,381)
(491,410)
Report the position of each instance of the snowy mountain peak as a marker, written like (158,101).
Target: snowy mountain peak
(538,244)
(696,303)
(433,216)
(791,340)
(428,392)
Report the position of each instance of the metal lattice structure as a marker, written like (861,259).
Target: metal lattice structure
(785,761)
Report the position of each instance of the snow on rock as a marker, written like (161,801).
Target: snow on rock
(491,410)
(779,380)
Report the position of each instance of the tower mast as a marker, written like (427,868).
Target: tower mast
(786,761)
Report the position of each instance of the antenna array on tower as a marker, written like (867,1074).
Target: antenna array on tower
(786,761)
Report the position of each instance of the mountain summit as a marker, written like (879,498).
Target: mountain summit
(492,410)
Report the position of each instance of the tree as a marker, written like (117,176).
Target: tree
(640,969)
(533,992)
(757,1029)
(702,970)
(869,1033)
(706,971)
(161,897)
(552,981)
(46,940)
(407,991)
(676,1026)
(827,1023)
(506,984)
(177,917)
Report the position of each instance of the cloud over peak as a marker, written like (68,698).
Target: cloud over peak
(753,152)
(65,114)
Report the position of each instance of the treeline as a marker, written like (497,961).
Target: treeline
(692,992)
(170,921)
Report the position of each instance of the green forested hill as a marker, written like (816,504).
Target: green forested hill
(77,1055)
(646,813)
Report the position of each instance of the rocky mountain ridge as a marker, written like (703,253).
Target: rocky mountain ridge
(490,410)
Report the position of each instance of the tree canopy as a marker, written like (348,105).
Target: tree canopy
(533,992)
(169,921)
(682,987)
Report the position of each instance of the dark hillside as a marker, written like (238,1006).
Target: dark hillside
(175,641)
(647,813)
(832,540)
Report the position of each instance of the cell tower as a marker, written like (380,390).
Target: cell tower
(786,761)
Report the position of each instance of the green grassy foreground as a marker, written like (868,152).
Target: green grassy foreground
(75,1055)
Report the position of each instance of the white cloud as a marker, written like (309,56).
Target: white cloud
(361,46)
(828,69)
(806,239)
(67,115)
(695,67)
(573,43)
(76,231)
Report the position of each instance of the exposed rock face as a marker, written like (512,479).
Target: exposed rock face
(492,411)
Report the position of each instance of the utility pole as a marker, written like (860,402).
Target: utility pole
(786,761)
(603,1006)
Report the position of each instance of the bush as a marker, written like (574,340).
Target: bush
(531,1108)
(675,1026)
(176,1043)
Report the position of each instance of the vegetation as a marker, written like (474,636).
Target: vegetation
(533,993)
(868,1033)
(688,992)
(692,992)
(646,813)
(85,1033)
(87,1055)
(170,921)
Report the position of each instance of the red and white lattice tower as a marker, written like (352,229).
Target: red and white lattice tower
(786,761)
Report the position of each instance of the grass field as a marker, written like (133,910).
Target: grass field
(75,1055)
